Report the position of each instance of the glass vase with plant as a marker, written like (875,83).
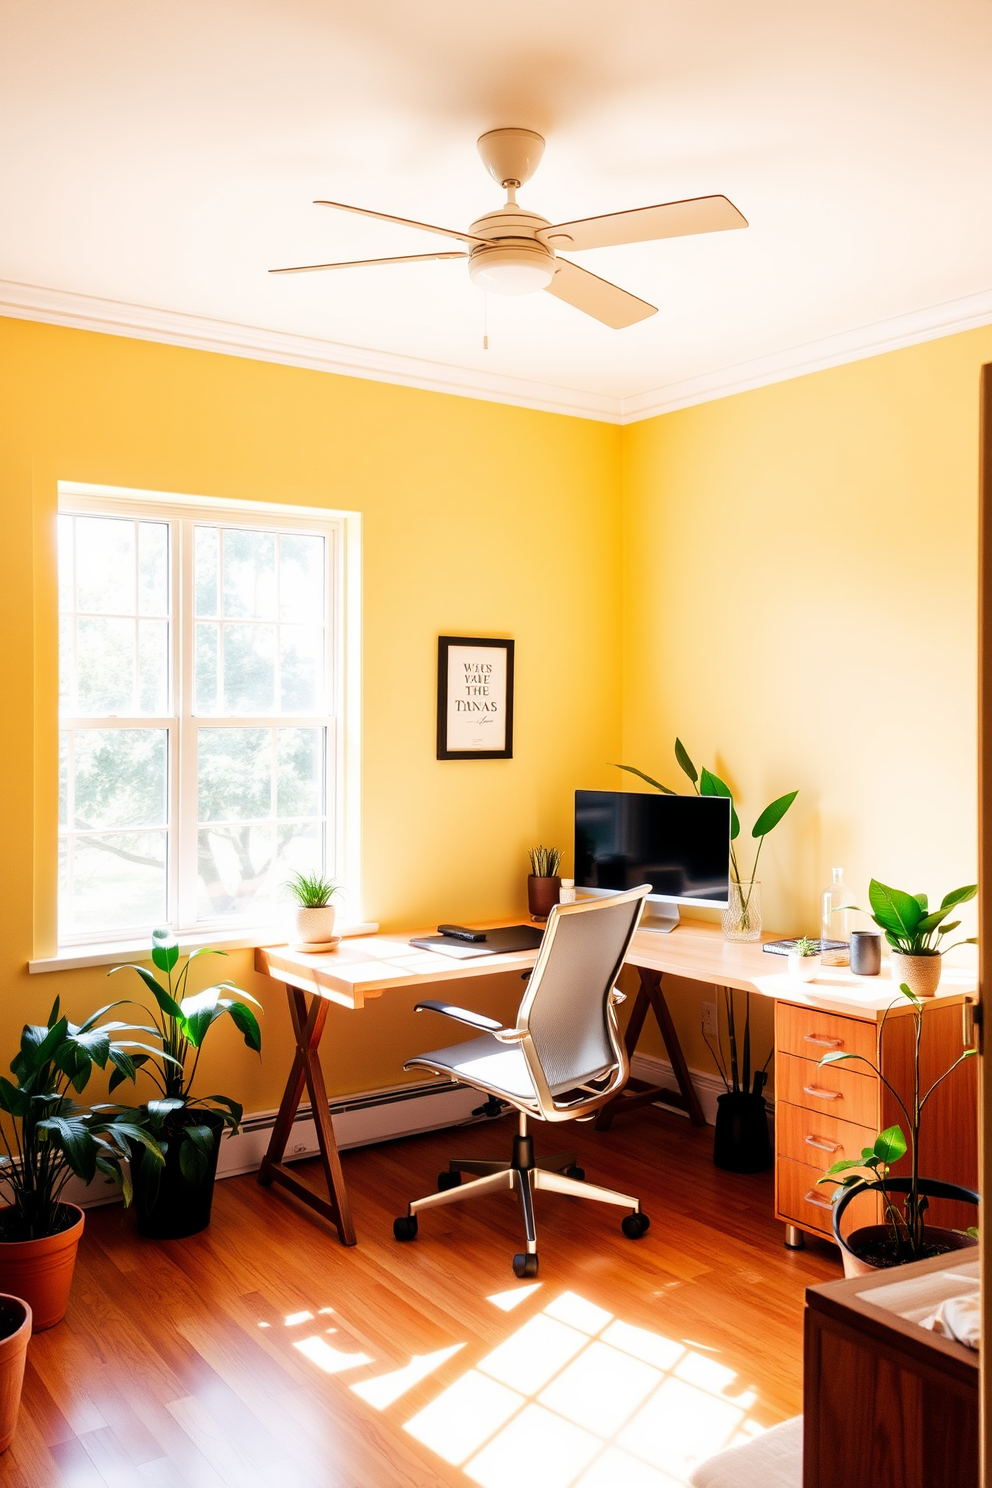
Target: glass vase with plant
(314,922)
(915,932)
(544,883)
(742,918)
(904,1235)
(188,1127)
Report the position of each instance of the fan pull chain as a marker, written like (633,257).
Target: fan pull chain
(485,320)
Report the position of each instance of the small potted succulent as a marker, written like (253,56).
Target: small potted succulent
(173,1199)
(804,959)
(543,884)
(50,1138)
(904,1236)
(914,932)
(314,920)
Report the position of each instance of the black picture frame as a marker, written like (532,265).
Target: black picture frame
(452,743)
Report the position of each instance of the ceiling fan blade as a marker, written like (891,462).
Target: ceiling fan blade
(598,297)
(365,263)
(445,232)
(702,214)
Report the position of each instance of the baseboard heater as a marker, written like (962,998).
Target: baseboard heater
(359,1120)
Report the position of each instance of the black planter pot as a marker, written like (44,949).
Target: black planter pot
(180,1208)
(740,1142)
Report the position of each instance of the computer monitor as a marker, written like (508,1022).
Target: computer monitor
(680,845)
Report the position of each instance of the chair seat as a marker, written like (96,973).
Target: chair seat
(490,1065)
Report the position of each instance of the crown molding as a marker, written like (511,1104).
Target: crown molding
(174,328)
(947,319)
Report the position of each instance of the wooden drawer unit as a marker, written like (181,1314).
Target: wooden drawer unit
(804,1031)
(837,1090)
(847,1105)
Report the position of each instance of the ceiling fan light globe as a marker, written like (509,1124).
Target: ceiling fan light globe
(510,270)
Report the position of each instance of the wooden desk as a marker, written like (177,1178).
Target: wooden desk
(368,966)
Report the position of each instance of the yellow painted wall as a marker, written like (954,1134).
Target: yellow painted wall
(478,518)
(785,577)
(800,585)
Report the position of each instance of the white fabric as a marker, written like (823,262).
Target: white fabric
(959,1318)
(773,1460)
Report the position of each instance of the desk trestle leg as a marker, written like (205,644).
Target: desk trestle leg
(308,1025)
(639,1092)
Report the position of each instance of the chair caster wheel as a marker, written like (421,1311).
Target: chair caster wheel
(405,1228)
(524,1265)
(633,1225)
(448,1180)
(579,1174)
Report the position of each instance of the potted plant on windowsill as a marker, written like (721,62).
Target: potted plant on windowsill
(543,884)
(904,1236)
(48,1138)
(914,932)
(174,1199)
(314,918)
(742,917)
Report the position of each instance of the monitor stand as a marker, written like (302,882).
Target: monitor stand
(661,918)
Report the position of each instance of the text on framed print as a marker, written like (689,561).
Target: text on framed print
(474,698)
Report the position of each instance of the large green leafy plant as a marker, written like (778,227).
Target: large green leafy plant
(906,1227)
(48,1136)
(706,783)
(182,1022)
(910,926)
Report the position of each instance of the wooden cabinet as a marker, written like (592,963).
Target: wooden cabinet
(825,1114)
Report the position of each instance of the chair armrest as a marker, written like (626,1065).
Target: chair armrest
(461,1015)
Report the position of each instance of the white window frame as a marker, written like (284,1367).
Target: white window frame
(342,533)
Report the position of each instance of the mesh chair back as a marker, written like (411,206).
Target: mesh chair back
(565,1008)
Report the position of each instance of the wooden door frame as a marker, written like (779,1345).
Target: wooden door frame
(985,889)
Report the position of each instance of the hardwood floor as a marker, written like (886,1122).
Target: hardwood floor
(263,1352)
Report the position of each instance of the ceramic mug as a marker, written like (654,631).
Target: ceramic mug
(866,952)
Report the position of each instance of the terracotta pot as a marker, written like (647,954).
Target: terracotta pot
(920,973)
(40,1271)
(314,926)
(15,1330)
(870,1235)
(542,895)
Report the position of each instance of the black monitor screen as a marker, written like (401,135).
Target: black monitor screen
(680,845)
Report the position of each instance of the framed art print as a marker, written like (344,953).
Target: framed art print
(474,698)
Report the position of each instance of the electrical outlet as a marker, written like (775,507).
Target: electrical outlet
(711,1026)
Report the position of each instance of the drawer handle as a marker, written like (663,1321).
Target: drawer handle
(823,1043)
(823,1146)
(823,1094)
(816,1201)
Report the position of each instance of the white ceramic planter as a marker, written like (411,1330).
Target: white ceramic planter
(920,973)
(314,926)
(804,968)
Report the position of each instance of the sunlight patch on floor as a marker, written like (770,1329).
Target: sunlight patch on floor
(507,1301)
(330,1360)
(385,1389)
(588,1401)
(573,1397)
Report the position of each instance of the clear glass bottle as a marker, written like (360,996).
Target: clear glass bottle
(836,919)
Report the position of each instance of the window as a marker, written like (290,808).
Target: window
(200,708)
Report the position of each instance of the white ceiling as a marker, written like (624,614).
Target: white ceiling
(165,154)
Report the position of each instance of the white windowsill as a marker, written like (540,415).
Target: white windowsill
(107,953)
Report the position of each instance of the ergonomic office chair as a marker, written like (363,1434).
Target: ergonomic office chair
(562,1061)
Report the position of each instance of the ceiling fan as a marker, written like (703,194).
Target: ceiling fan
(513,251)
